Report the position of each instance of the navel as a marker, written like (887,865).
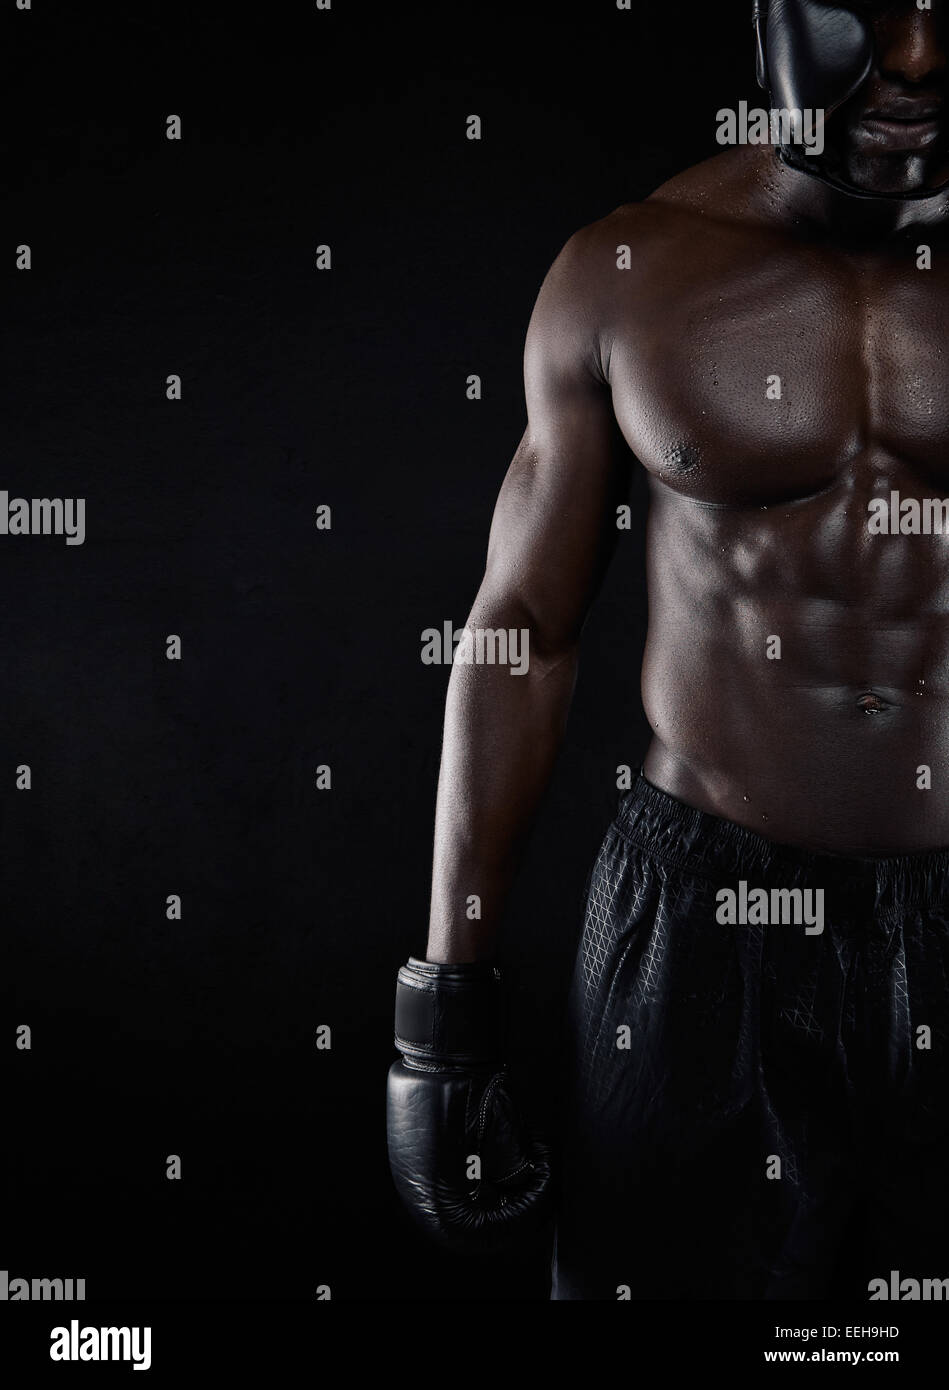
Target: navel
(872,704)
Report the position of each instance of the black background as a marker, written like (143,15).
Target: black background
(300,647)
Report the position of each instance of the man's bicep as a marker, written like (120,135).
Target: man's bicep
(554,530)
(554,525)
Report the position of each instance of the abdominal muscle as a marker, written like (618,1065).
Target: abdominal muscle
(830,790)
(836,740)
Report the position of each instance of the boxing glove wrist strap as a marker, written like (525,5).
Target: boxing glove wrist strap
(448,1015)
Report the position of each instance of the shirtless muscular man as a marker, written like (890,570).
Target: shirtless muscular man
(757,1100)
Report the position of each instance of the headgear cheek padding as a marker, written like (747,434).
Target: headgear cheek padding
(811,55)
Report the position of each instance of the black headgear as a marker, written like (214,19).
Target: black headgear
(812,56)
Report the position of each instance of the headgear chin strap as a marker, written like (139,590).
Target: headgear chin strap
(812,56)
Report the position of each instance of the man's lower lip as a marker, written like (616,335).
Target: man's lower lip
(901,135)
(891,127)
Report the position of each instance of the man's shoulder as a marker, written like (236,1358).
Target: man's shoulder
(710,199)
(705,216)
(727,187)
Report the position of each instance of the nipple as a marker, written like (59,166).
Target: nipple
(681,457)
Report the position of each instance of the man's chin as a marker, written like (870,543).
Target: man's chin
(893,176)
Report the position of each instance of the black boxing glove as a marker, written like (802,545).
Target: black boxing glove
(449,1102)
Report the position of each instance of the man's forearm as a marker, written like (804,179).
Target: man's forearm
(502,735)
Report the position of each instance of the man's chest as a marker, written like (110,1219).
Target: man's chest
(757,382)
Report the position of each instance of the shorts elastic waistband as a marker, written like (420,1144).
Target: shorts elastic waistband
(721,850)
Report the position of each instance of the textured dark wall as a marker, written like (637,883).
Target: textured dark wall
(150,777)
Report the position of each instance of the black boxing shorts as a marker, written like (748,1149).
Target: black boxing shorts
(758,1092)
